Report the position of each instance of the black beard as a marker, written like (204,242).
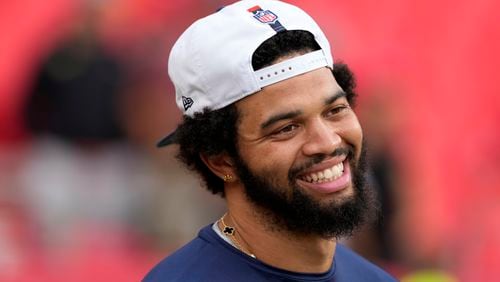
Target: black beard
(291,209)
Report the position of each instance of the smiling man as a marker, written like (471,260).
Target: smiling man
(268,124)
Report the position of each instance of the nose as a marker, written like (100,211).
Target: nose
(321,138)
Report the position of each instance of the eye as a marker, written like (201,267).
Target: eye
(337,109)
(287,130)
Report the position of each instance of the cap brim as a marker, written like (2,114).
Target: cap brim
(168,140)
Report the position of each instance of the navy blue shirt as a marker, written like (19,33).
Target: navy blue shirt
(209,258)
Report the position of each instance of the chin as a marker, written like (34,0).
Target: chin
(341,196)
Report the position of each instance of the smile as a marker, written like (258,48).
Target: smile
(326,175)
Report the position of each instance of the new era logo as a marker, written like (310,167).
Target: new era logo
(187,102)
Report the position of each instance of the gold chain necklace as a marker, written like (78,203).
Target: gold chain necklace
(230,232)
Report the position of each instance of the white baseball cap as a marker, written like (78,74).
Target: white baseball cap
(210,64)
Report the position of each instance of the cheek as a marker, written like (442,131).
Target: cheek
(352,133)
(271,158)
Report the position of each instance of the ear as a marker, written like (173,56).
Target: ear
(221,165)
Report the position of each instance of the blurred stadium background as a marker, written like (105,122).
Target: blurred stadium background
(84,96)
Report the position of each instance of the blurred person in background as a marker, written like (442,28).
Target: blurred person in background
(87,163)
(75,176)
(84,181)
(268,125)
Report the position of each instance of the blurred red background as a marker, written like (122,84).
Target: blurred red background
(427,78)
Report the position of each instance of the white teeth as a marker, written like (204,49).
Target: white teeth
(314,177)
(328,174)
(335,170)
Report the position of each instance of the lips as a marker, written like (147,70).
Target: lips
(327,178)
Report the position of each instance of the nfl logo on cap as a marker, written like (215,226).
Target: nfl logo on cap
(266,17)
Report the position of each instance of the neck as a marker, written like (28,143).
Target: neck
(277,246)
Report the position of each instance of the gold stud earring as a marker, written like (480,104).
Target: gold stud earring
(227,178)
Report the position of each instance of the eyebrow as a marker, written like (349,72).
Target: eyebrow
(292,114)
(339,94)
(278,117)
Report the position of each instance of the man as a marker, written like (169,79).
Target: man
(269,128)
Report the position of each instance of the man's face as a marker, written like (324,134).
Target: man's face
(300,155)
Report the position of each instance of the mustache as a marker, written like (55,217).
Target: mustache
(316,159)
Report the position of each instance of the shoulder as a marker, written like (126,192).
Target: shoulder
(173,267)
(188,261)
(352,267)
(205,258)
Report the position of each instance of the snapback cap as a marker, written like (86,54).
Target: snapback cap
(210,64)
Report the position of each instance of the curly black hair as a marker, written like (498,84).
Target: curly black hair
(213,132)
